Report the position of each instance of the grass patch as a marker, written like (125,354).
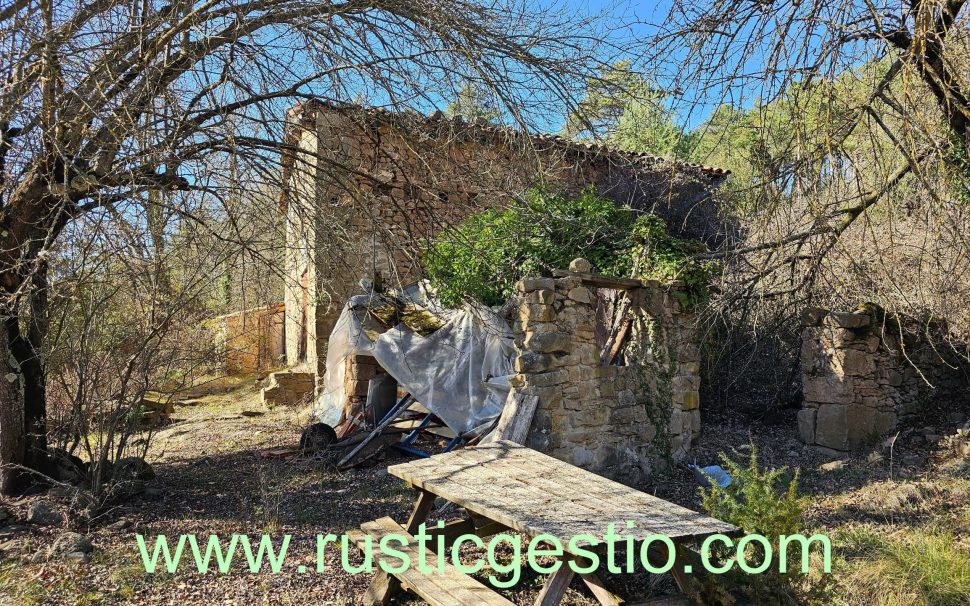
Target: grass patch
(14,583)
(908,568)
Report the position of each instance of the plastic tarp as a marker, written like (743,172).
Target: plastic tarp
(460,372)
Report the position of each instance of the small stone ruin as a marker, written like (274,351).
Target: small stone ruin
(863,377)
(619,417)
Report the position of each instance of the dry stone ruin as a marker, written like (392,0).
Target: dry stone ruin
(863,377)
(618,415)
(367,187)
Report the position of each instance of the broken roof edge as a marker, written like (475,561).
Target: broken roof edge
(304,114)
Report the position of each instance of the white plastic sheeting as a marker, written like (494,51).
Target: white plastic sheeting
(460,372)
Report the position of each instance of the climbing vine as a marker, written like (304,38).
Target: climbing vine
(657,255)
(654,363)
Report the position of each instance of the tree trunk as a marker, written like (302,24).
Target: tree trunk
(11,420)
(28,352)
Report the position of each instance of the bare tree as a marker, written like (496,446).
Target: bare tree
(106,103)
(760,52)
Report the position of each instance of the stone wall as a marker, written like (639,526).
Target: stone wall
(253,339)
(861,380)
(368,187)
(288,389)
(616,420)
(357,376)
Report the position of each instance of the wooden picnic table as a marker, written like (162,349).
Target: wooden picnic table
(503,485)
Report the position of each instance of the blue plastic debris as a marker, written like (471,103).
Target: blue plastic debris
(712,474)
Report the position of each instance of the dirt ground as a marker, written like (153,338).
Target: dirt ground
(213,479)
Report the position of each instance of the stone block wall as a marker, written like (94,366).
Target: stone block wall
(288,389)
(615,420)
(357,376)
(861,380)
(253,339)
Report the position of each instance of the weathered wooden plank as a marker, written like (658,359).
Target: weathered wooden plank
(445,586)
(383,586)
(603,595)
(422,507)
(542,471)
(621,323)
(653,515)
(554,468)
(516,418)
(555,586)
(600,280)
(663,601)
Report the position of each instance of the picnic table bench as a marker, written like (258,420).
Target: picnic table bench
(502,486)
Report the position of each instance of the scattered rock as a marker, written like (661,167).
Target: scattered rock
(67,467)
(153,494)
(932,438)
(252,413)
(12,531)
(76,498)
(834,465)
(11,546)
(129,477)
(133,468)
(44,513)
(874,457)
(912,460)
(72,542)
(6,516)
(119,525)
(78,556)
(580,265)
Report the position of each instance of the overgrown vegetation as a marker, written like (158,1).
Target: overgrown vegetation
(906,568)
(483,257)
(766,502)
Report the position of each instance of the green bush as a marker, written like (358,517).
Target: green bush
(488,253)
(659,256)
(765,502)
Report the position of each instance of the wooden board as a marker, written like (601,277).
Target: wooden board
(600,280)
(516,418)
(446,587)
(538,494)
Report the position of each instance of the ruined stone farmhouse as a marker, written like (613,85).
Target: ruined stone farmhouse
(368,187)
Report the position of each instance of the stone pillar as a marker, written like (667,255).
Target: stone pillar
(856,382)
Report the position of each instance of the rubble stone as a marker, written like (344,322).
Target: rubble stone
(581,265)
(44,513)
(289,388)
